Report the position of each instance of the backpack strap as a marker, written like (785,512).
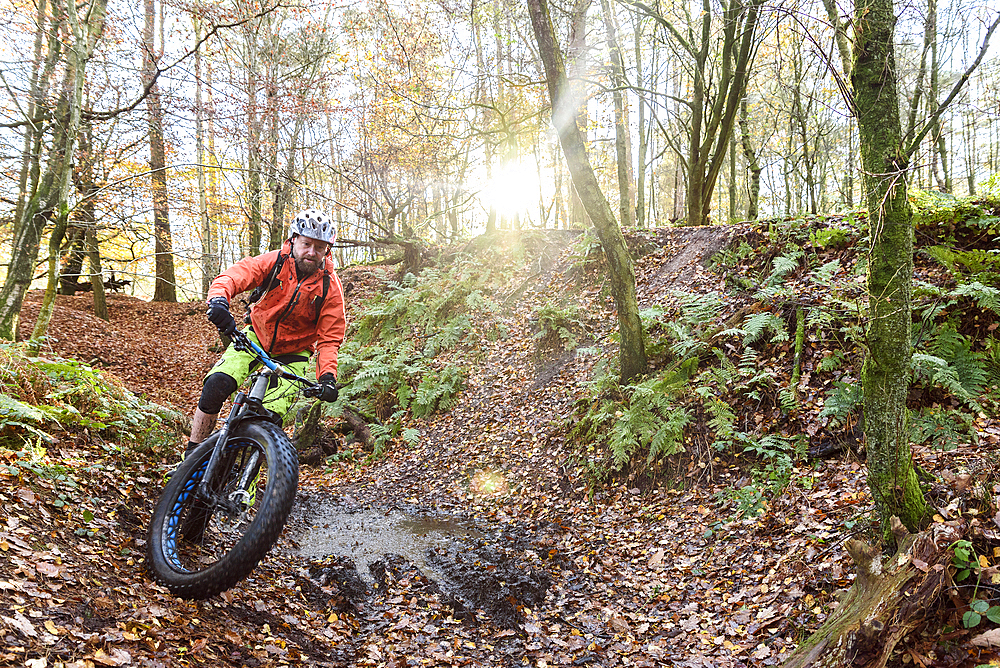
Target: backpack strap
(268,283)
(326,288)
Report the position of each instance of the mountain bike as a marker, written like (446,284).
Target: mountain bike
(225,506)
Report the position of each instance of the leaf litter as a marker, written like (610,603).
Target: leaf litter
(555,573)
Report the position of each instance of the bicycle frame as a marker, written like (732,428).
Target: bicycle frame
(245,406)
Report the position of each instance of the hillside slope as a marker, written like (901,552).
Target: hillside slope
(544,567)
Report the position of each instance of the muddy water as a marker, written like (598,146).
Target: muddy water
(474,571)
(367,536)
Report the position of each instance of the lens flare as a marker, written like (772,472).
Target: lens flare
(512,190)
(488,483)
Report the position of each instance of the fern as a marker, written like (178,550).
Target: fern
(832,362)
(952,364)
(698,309)
(752,375)
(942,428)
(560,323)
(684,343)
(370,374)
(788,400)
(974,261)
(842,401)
(784,265)
(642,421)
(649,420)
(722,422)
(820,319)
(758,323)
(823,275)
(438,390)
(984,296)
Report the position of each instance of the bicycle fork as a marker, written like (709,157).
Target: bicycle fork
(241,403)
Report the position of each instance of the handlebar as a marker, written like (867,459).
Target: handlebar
(243,342)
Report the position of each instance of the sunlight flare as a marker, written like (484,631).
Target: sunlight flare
(512,190)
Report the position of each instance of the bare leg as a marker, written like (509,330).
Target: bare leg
(202,424)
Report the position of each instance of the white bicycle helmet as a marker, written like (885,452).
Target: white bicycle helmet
(313,224)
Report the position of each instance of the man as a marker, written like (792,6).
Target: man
(300,310)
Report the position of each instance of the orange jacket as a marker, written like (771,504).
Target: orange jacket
(285,317)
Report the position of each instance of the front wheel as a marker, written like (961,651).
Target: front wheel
(198,548)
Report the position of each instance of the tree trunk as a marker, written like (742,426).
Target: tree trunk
(254,195)
(165,289)
(886,370)
(34,131)
(96,274)
(281,187)
(753,166)
(887,600)
(87,219)
(640,187)
(800,115)
(49,300)
(732,178)
(969,135)
(939,148)
(50,200)
(713,112)
(207,253)
(71,260)
(625,209)
(621,270)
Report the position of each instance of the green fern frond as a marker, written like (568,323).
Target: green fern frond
(984,296)
(722,422)
(823,275)
(788,400)
(371,372)
(758,323)
(784,265)
(698,309)
(841,402)
(967,368)
(437,390)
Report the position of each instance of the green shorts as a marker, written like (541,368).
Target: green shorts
(280,395)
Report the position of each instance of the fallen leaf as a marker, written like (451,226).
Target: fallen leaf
(51,570)
(989,639)
(22,624)
(619,624)
(117,657)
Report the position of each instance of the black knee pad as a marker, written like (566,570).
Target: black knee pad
(217,388)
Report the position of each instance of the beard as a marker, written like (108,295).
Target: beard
(305,267)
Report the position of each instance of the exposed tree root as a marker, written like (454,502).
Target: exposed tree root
(889,599)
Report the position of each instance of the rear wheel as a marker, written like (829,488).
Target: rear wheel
(199,548)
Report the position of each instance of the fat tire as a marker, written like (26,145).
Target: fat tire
(258,538)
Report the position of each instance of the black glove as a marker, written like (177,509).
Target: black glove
(326,390)
(219,315)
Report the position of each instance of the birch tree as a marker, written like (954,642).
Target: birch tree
(632,352)
(50,201)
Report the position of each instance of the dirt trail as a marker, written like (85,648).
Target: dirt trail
(538,572)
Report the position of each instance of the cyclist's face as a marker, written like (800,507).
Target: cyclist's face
(309,254)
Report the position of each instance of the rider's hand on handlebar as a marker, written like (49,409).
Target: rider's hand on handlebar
(325,390)
(219,315)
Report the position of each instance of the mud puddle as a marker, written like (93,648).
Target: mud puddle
(472,571)
(367,536)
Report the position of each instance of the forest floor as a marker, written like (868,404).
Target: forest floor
(522,562)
